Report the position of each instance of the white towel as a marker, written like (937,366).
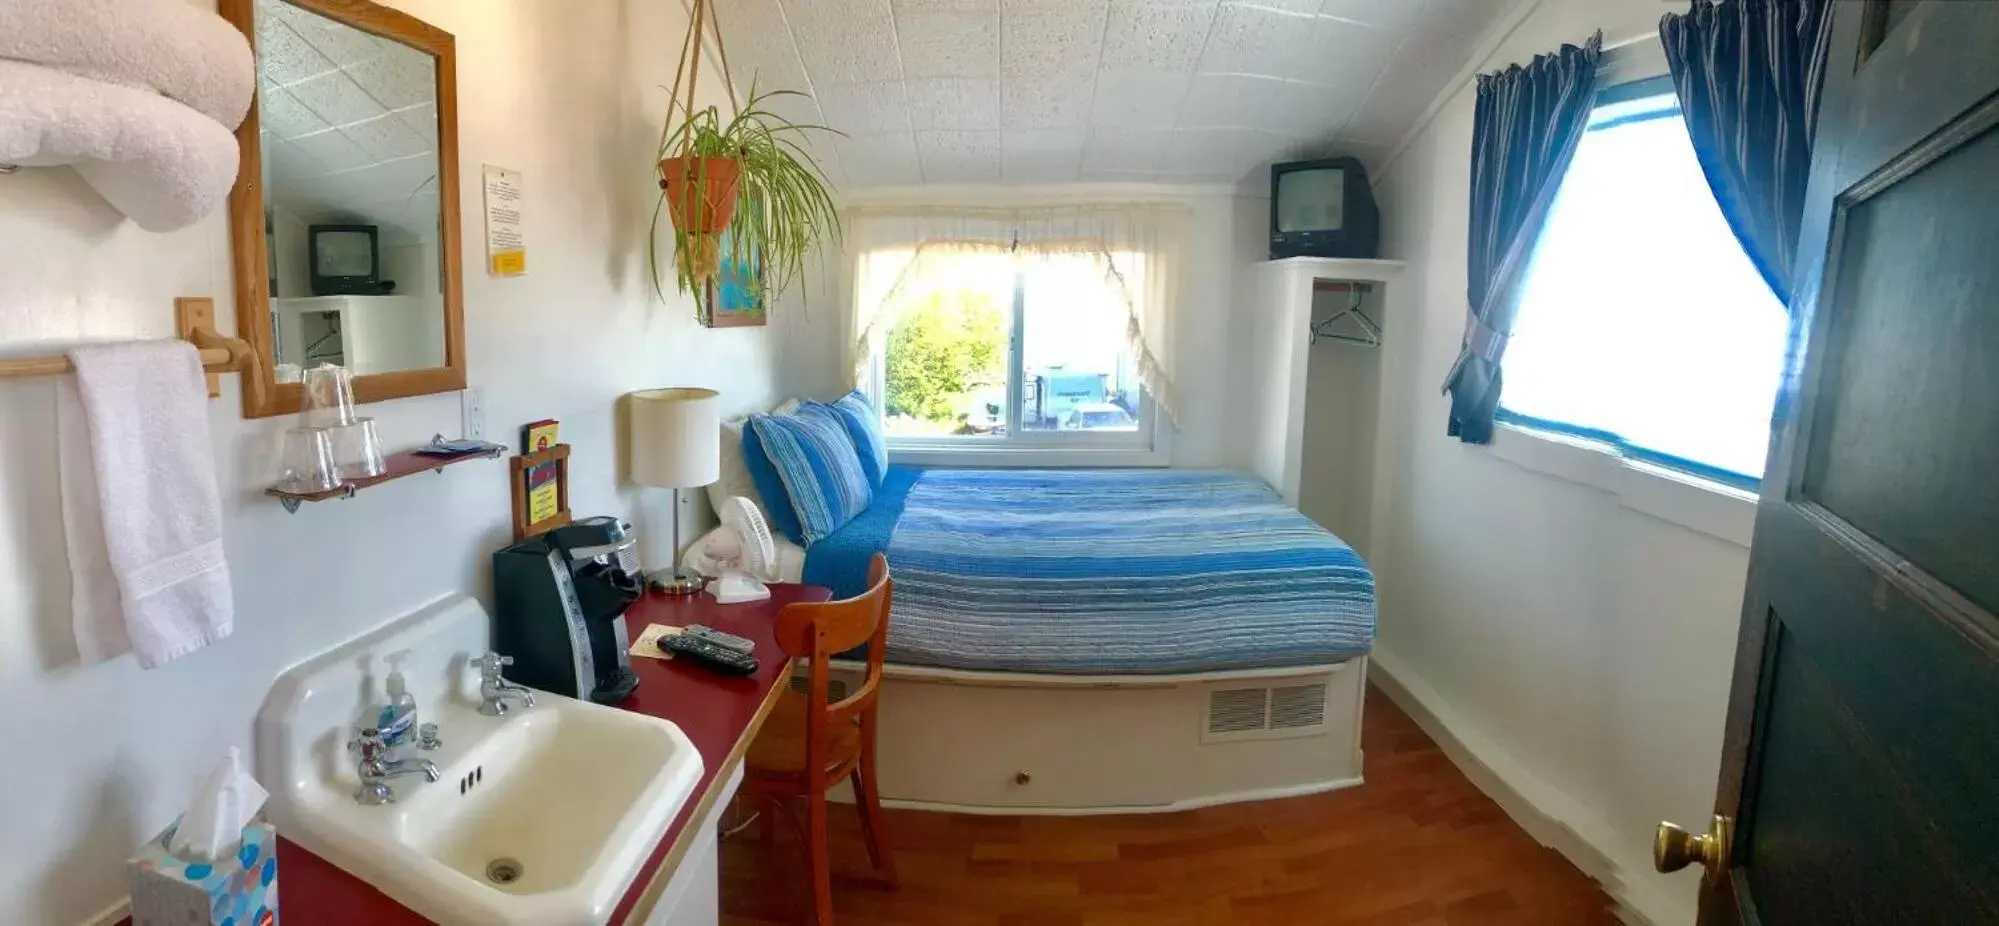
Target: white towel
(158,162)
(186,54)
(142,515)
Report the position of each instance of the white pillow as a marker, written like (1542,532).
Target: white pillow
(735,473)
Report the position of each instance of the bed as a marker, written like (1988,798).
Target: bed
(1102,572)
(1104,641)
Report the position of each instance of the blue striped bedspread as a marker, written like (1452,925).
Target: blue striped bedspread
(1102,572)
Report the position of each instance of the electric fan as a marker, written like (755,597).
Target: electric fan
(743,552)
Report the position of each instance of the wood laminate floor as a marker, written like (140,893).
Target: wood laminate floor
(1417,845)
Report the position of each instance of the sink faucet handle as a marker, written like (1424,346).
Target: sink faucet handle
(490,664)
(426,736)
(368,745)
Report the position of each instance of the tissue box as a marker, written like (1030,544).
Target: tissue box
(239,891)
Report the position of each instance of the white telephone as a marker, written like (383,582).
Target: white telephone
(741,557)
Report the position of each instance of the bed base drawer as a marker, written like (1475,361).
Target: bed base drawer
(980,742)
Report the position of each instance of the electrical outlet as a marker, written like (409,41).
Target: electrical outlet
(472,405)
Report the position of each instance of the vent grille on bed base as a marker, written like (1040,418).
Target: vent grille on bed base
(1265,713)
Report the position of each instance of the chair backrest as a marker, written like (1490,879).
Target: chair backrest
(817,632)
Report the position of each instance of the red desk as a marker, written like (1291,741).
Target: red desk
(719,713)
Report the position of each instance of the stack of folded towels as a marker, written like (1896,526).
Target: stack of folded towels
(141,97)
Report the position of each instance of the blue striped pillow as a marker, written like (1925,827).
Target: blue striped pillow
(815,459)
(864,425)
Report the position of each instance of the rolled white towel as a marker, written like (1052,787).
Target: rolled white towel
(158,162)
(183,53)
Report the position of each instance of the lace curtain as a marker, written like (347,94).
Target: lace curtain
(1137,245)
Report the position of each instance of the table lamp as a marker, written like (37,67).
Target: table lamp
(676,443)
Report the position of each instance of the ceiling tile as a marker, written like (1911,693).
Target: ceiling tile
(398,80)
(422,119)
(864,109)
(1042,39)
(283,57)
(386,138)
(879,160)
(1126,149)
(948,6)
(331,151)
(949,44)
(1040,155)
(1228,154)
(848,40)
(1393,15)
(1045,102)
(1466,18)
(1401,96)
(1259,40)
(1138,99)
(336,98)
(1346,55)
(953,103)
(1242,101)
(959,157)
(1140,36)
(282,115)
(1294,6)
(286,162)
(338,42)
(761,48)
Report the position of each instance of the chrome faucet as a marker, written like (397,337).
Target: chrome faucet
(376,769)
(495,690)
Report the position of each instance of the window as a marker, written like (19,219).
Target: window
(1642,323)
(988,351)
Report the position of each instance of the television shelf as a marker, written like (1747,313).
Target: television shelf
(395,466)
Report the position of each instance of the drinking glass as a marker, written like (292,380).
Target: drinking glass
(309,461)
(329,397)
(357,449)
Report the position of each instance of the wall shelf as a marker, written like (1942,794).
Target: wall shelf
(396,466)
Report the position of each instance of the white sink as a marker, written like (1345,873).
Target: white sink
(540,817)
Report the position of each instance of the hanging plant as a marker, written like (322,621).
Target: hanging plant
(747,177)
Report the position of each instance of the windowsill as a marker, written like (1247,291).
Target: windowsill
(1712,508)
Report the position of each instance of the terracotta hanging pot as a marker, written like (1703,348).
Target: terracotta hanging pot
(700,192)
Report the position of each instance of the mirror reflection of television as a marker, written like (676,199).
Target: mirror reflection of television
(1323,208)
(346,259)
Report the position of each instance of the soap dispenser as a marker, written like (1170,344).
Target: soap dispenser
(397,721)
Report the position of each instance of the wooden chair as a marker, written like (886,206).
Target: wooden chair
(808,745)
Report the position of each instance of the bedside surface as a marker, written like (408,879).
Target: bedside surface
(719,713)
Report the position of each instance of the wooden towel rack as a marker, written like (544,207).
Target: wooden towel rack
(195,317)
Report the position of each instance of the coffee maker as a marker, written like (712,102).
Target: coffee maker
(559,609)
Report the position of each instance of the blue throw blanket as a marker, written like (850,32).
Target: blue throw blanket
(1093,572)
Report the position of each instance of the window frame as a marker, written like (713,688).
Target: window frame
(1628,76)
(1148,445)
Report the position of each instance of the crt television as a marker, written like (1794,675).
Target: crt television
(1323,208)
(346,260)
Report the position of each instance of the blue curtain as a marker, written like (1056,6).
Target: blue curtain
(1748,73)
(1524,132)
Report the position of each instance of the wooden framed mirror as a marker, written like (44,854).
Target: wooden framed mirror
(343,223)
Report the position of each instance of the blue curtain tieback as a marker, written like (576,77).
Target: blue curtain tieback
(1482,341)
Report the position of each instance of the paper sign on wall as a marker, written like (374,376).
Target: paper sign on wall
(506,249)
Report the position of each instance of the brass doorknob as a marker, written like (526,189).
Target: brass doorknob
(1674,848)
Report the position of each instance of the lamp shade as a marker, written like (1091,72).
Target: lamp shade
(676,437)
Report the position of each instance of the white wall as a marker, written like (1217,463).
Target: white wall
(1579,649)
(100,758)
(810,353)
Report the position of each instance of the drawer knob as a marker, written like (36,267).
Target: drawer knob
(1021,778)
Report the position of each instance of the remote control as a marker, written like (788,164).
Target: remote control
(742,645)
(719,658)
